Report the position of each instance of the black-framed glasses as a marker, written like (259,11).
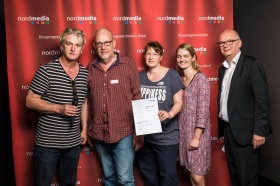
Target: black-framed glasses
(229,42)
(106,43)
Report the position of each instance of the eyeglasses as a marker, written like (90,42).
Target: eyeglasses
(229,42)
(106,43)
(152,55)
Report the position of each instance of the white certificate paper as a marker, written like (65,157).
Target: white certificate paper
(145,112)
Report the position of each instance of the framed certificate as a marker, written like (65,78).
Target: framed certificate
(146,120)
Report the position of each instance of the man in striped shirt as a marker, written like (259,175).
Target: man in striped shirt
(58,92)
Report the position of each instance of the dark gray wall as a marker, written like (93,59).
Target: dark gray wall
(258,23)
(6,158)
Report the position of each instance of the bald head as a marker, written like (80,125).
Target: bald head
(231,32)
(102,31)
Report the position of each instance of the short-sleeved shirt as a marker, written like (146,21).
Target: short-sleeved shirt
(54,86)
(110,99)
(163,90)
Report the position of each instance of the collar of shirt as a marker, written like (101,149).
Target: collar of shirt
(235,60)
(116,63)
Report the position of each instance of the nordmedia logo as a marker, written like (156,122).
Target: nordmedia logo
(217,140)
(172,20)
(43,20)
(201,50)
(129,20)
(213,80)
(83,20)
(213,20)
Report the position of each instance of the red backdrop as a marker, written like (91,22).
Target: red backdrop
(32,30)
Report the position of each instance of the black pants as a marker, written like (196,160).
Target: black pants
(158,164)
(242,161)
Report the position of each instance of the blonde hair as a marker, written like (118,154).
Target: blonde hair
(68,31)
(190,49)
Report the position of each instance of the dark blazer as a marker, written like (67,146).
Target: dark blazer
(248,101)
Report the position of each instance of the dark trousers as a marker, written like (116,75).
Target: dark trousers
(242,161)
(46,160)
(158,164)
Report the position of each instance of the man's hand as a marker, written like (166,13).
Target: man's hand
(84,137)
(138,141)
(258,141)
(68,110)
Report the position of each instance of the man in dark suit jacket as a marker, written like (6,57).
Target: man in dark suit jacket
(243,109)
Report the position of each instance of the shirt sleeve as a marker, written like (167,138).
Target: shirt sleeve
(203,102)
(177,83)
(261,96)
(134,81)
(40,81)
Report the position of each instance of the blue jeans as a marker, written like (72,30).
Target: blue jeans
(117,161)
(48,159)
(158,164)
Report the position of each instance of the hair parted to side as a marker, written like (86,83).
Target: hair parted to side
(79,33)
(156,46)
(190,49)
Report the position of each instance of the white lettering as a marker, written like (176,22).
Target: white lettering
(53,52)
(201,49)
(209,18)
(124,18)
(29,153)
(48,37)
(151,92)
(167,18)
(80,18)
(30,18)
(212,78)
(25,87)
(140,51)
(192,35)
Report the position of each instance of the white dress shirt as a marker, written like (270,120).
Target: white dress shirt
(223,114)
